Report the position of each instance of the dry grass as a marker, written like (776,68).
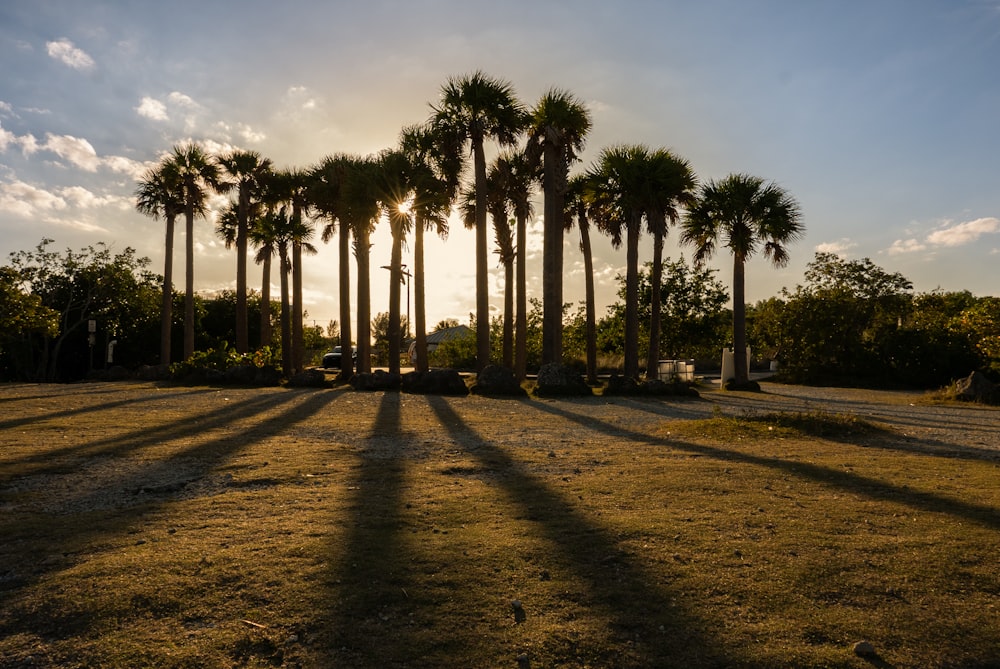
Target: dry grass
(180,527)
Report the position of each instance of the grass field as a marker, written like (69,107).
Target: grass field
(147,526)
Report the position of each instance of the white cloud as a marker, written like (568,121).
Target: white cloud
(85,199)
(6,108)
(901,246)
(182,100)
(77,151)
(152,109)
(250,135)
(25,200)
(64,51)
(6,139)
(839,247)
(960,234)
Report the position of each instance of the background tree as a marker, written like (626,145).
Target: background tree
(114,290)
(498,182)
(476,107)
(558,125)
(745,214)
(159,194)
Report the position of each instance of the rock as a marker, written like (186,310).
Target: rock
(241,375)
(497,381)
(523,662)
(748,386)
(519,615)
(153,373)
(267,376)
(435,382)
(864,649)
(555,380)
(310,378)
(977,388)
(377,380)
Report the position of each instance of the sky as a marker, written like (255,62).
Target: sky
(881,117)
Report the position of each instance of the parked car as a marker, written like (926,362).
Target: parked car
(332,359)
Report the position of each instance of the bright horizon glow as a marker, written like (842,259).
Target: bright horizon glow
(879,118)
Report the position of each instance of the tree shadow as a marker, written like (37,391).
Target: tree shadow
(865,486)
(135,491)
(649,628)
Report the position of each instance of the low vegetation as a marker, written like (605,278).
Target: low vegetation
(233,527)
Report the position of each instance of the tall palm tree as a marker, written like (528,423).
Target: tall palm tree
(197,174)
(672,189)
(522,176)
(432,196)
(290,187)
(498,182)
(244,171)
(621,187)
(559,123)
(393,189)
(578,199)
(273,235)
(745,214)
(159,194)
(264,240)
(326,191)
(362,205)
(476,107)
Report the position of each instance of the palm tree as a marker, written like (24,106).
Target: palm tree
(476,107)
(244,171)
(432,196)
(521,179)
(621,186)
(393,189)
(290,186)
(273,234)
(497,181)
(559,123)
(578,198)
(197,174)
(672,189)
(326,191)
(159,193)
(362,209)
(745,213)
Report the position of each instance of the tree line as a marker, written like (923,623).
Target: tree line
(628,191)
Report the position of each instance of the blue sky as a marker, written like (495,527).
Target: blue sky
(880,117)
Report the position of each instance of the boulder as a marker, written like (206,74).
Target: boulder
(267,376)
(377,380)
(496,381)
(555,380)
(977,388)
(435,382)
(241,375)
(310,378)
(153,373)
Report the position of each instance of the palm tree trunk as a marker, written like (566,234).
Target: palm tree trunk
(739,320)
(166,309)
(298,339)
(395,279)
(482,259)
(346,359)
(508,313)
(189,281)
(521,323)
(242,336)
(265,302)
(286,316)
(588,273)
(418,296)
(364,302)
(552,259)
(653,355)
(632,297)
